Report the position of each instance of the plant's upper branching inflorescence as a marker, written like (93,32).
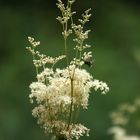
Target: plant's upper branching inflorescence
(60,93)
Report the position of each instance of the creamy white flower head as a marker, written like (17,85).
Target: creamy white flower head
(128,108)
(120,134)
(33,43)
(38,90)
(117,131)
(47,73)
(76,131)
(52,92)
(121,119)
(100,85)
(118,118)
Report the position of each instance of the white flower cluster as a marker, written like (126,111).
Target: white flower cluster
(100,85)
(124,112)
(66,11)
(76,130)
(52,93)
(33,42)
(54,85)
(59,94)
(120,134)
(121,121)
(40,60)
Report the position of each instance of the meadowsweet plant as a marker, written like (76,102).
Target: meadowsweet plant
(59,94)
(126,121)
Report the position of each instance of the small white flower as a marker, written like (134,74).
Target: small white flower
(100,85)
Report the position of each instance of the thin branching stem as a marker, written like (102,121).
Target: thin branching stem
(66,51)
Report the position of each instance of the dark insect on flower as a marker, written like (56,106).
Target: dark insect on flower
(88,61)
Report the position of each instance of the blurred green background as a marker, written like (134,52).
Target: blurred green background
(115,36)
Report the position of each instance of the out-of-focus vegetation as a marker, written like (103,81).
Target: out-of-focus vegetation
(116,39)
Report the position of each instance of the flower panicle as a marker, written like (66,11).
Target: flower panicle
(59,94)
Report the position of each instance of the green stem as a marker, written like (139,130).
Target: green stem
(66,51)
(70,116)
(36,68)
